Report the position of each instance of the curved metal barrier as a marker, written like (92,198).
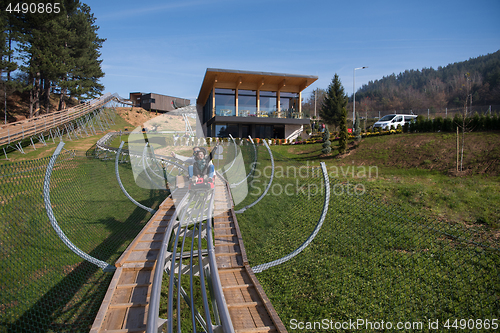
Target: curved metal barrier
(138,204)
(262,267)
(154,307)
(268,185)
(48,207)
(147,166)
(252,168)
(235,155)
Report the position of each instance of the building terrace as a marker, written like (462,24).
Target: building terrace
(260,104)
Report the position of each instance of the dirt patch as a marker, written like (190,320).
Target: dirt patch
(154,121)
(12,304)
(69,268)
(134,115)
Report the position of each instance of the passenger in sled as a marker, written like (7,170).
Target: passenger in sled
(186,159)
(202,171)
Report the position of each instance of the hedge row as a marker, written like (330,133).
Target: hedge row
(475,123)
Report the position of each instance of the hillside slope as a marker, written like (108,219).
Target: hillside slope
(439,88)
(426,151)
(431,151)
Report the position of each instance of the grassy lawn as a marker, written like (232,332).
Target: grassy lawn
(45,286)
(393,253)
(410,176)
(416,242)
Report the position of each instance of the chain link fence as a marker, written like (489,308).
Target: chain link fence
(373,266)
(430,112)
(372,263)
(44,287)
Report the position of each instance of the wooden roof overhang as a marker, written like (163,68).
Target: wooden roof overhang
(247,80)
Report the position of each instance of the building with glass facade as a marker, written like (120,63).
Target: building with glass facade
(259,104)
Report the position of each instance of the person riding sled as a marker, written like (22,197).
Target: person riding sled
(202,170)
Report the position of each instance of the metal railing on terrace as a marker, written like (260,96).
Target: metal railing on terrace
(283,113)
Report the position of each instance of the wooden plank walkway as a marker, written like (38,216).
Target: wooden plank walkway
(24,129)
(249,307)
(125,306)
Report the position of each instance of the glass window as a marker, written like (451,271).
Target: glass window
(289,103)
(223,130)
(224,91)
(279,131)
(220,130)
(207,109)
(268,93)
(264,131)
(247,103)
(388,117)
(247,92)
(267,101)
(225,102)
(233,130)
(245,131)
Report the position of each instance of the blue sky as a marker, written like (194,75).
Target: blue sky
(166,46)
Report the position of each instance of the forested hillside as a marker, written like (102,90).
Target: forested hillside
(448,86)
(49,48)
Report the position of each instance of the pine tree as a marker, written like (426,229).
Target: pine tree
(334,103)
(31,52)
(56,59)
(7,59)
(357,128)
(60,52)
(40,47)
(84,76)
(343,135)
(7,36)
(326,142)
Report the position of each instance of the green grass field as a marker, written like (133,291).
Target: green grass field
(417,244)
(417,173)
(46,287)
(381,255)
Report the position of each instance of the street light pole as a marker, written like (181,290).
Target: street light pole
(354,93)
(315,98)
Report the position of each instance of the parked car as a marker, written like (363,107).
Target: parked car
(393,120)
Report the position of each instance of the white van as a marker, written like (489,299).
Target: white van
(391,121)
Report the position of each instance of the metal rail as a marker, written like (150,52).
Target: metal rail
(195,218)
(117,173)
(262,267)
(268,185)
(48,207)
(252,168)
(154,303)
(235,155)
